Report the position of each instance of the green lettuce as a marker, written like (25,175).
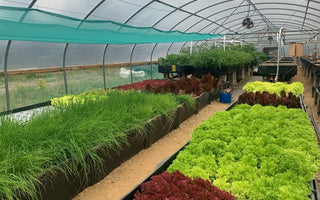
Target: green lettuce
(258,152)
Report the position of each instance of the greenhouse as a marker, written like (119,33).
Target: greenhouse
(159,99)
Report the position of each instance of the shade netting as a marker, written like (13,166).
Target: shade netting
(37,25)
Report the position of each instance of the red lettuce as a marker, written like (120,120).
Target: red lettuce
(187,85)
(176,186)
(143,85)
(267,99)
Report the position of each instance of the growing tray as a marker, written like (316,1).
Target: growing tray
(163,165)
(179,69)
(214,71)
(286,70)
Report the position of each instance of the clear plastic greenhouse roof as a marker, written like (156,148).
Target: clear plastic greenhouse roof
(40,36)
(299,19)
(38,33)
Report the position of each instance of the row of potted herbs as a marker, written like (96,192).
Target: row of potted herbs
(210,59)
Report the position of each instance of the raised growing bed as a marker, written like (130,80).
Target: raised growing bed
(166,163)
(311,69)
(179,69)
(296,87)
(143,85)
(213,70)
(316,95)
(269,99)
(272,94)
(191,86)
(65,185)
(175,63)
(286,70)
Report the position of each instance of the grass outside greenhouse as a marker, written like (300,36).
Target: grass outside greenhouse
(32,88)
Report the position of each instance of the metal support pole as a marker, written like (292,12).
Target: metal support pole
(151,59)
(64,68)
(278,57)
(182,46)
(279,36)
(315,47)
(104,68)
(310,53)
(224,43)
(169,48)
(134,46)
(190,47)
(5,65)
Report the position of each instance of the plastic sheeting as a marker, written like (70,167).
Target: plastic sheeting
(34,55)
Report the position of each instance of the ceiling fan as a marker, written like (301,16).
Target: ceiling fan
(248,22)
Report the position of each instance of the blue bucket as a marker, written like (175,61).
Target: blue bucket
(225,97)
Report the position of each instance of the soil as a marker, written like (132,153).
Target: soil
(121,180)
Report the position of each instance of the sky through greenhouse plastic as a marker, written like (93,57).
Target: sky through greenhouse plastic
(36,25)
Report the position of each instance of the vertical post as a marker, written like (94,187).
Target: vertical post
(151,59)
(64,68)
(278,56)
(190,47)
(131,76)
(279,36)
(224,43)
(104,68)
(310,53)
(5,66)
(315,39)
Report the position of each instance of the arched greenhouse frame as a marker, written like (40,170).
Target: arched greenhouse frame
(75,62)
